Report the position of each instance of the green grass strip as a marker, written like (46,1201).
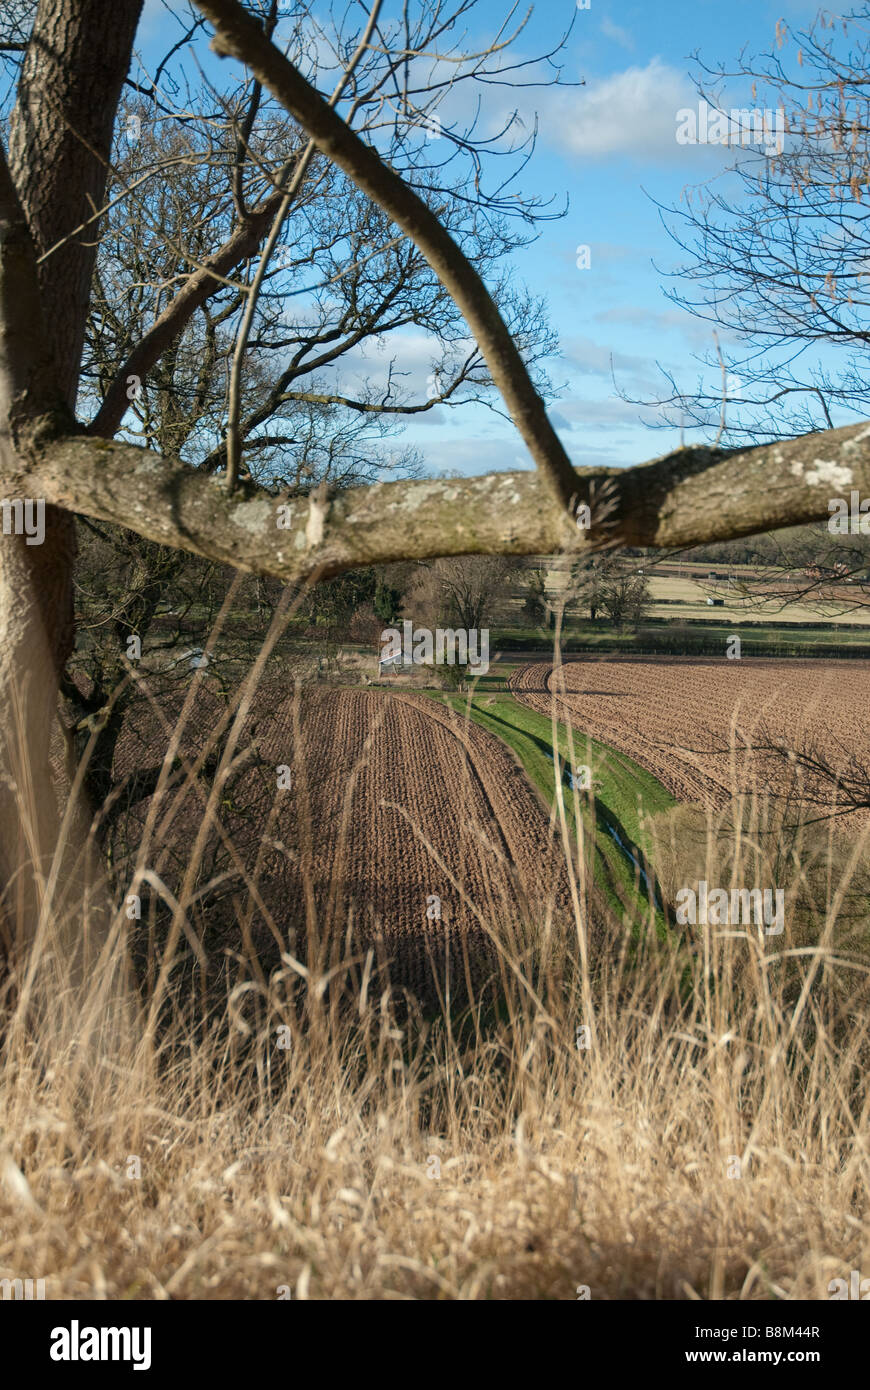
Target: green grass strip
(624,792)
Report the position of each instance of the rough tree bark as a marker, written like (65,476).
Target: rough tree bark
(684,498)
(60,140)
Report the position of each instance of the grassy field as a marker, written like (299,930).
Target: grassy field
(703,1139)
(691,597)
(679,596)
(706,1141)
(625,795)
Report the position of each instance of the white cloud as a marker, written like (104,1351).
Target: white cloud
(409,352)
(591,358)
(632,112)
(471,456)
(612,412)
(616,33)
(694,332)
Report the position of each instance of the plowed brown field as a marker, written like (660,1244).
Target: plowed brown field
(393,803)
(679,718)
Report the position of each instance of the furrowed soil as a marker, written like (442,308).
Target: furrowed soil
(395,813)
(681,717)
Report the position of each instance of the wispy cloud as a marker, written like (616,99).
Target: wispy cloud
(589,358)
(632,112)
(696,332)
(616,33)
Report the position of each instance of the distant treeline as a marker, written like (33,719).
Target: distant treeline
(794,544)
(710,644)
(684,642)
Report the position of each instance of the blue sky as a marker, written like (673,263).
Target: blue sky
(610,147)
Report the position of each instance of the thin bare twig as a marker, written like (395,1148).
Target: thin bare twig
(235,386)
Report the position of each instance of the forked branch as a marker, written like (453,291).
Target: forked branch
(238,34)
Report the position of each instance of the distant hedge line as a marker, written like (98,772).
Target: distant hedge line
(705,647)
(686,644)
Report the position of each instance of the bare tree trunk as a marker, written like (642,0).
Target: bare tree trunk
(35,633)
(59,143)
(60,139)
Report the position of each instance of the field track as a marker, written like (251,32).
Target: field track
(393,802)
(675,716)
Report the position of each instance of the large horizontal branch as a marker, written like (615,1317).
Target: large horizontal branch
(685,498)
(240,34)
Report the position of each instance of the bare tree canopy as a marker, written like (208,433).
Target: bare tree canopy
(689,496)
(776,248)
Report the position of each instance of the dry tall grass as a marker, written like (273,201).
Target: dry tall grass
(711,1141)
